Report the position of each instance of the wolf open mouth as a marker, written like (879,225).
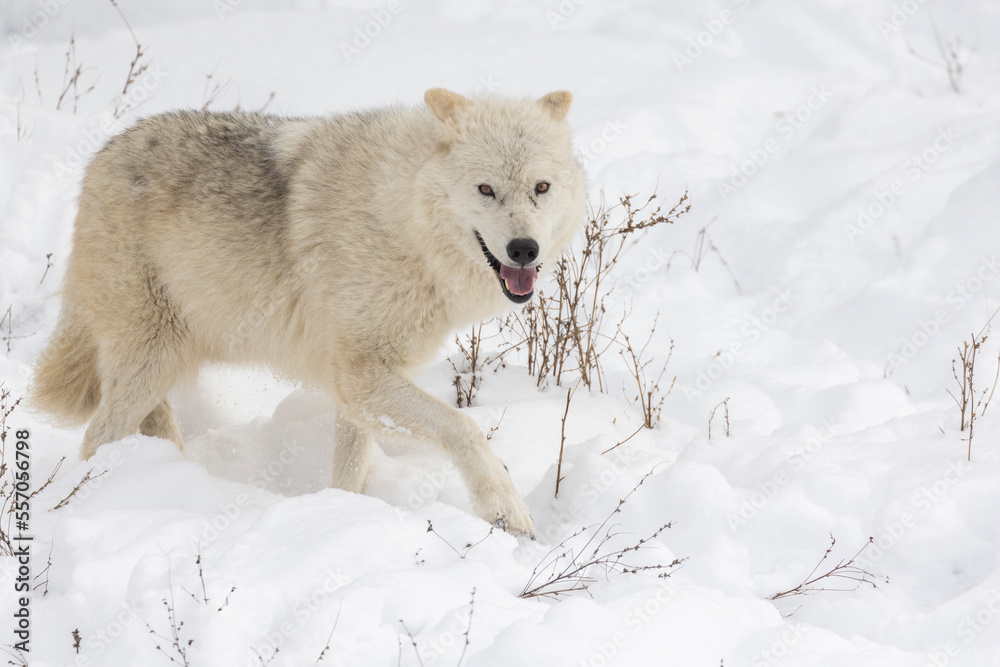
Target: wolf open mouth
(517,283)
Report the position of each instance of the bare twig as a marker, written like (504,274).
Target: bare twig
(952,58)
(201,578)
(16,655)
(648,396)
(413,641)
(135,68)
(22,131)
(496,427)
(562,440)
(86,478)
(614,447)
(969,406)
(725,406)
(225,603)
(38,85)
(332,630)
(48,566)
(213,90)
(48,265)
(563,333)
(469,546)
(71,76)
(466,389)
(267,103)
(566,568)
(8,336)
(468,629)
(265,663)
(703,245)
(843,570)
(178,645)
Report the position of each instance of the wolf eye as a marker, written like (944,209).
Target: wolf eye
(486,190)
(541,187)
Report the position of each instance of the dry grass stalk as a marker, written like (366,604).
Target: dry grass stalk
(10,498)
(177,645)
(725,406)
(135,68)
(469,376)
(566,568)
(969,406)
(469,546)
(562,440)
(71,76)
(563,333)
(843,570)
(86,478)
(332,630)
(649,397)
(703,246)
(214,90)
(48,265)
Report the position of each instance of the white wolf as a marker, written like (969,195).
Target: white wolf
(341,251)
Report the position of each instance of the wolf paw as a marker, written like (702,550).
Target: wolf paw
(505,509)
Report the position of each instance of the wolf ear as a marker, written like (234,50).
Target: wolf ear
(557,103)
(445,104)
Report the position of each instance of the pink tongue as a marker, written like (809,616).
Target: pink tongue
(520,281)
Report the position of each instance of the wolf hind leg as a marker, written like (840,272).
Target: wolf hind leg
(352,455)
(136,373)
(160,423)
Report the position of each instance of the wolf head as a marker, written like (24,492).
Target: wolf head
(510,178)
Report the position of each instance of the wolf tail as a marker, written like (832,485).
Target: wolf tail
(66,381)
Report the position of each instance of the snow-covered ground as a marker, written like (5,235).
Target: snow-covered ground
(850,197)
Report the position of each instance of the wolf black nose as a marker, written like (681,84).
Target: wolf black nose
(522,251)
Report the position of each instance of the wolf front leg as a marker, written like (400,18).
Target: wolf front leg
(351,455)
(384,401)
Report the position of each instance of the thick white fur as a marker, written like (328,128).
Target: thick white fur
(340,251)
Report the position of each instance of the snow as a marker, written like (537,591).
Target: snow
(849,197)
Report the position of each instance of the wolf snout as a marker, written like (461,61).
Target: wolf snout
(522,251)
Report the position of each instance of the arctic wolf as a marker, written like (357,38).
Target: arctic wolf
(340,251)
